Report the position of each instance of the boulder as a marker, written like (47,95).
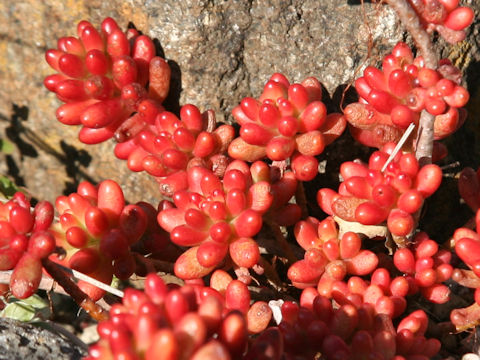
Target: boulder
(219,52)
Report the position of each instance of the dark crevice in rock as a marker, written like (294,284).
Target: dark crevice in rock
(23,341)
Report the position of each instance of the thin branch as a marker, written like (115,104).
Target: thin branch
(424,143)
(282,242)
(154,265)
(90,280)
(272,275)
(46,283)
(422,40)
(410,20)
(301,199)
(397,148)
(82,299)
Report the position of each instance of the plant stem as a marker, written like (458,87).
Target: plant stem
(301,199)
(80,276)
(412,23)
(424,143)
(278,236)
(46,283)
(272,275)
(82,299)
(155,265)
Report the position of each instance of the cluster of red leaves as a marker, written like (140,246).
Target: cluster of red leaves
(328,258)
(96,230)
(288,121)
(165,146)
(348,332)
(377,192)
(189,322)
(216,218)
(392,98)
(445,17)
(25,240)
(113,85)
(102,78)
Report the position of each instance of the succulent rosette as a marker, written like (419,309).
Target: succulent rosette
(25,239)
(96,230)
(103,77)
(373,193)
(392,98)
(288,121)
(426,267)
(217,219)
(326,253)
(190,322)
(315,327)
(444,16)
(166,146)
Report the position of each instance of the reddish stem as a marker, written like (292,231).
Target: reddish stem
(424,143)
(410,20)
(282,242)
(82,299)
(155,265)
(272,275)
(422,40)
(301,199)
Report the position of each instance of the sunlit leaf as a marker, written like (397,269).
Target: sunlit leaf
(6,146)
(7,186)
(30,309)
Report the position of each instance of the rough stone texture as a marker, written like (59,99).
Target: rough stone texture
(20,341)
(220,52)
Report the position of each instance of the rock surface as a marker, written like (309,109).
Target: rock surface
(220,52)
(20,341)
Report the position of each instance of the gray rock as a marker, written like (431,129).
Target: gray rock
(220,52)
(19,341)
